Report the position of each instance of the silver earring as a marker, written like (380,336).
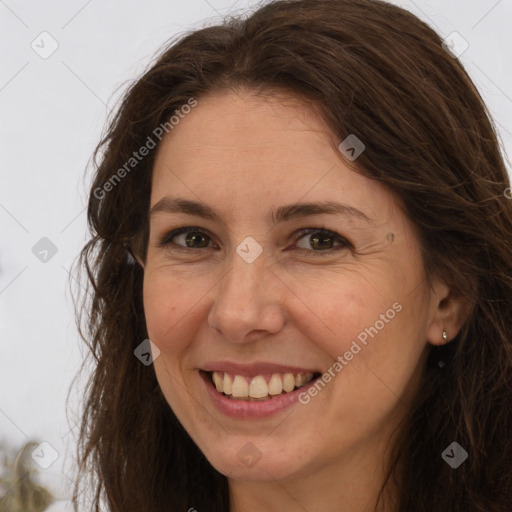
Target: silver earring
(445,336)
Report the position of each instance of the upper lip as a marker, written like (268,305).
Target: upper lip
(253,369)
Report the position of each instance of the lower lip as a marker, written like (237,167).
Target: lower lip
(244,409)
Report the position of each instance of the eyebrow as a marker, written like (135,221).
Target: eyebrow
(280,214)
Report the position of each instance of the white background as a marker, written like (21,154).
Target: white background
(52,114)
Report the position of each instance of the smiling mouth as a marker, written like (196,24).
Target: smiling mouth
(260,387)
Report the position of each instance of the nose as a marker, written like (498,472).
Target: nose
(248,301)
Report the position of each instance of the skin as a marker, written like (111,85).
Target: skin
(244,155)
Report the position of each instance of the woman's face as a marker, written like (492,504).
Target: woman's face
(258,294)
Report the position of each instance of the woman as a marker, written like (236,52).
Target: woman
(305,212)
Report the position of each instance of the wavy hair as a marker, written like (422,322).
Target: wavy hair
(374,70)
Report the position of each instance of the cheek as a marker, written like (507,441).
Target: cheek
(334,309)
(171,312)
(375,325)
(169,309)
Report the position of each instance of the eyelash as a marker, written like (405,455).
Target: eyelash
(165,241)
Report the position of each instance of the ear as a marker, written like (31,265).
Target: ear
(449,312)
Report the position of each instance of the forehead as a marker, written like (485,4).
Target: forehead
(241,151)
(241,124)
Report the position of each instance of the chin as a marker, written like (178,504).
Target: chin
(251,464)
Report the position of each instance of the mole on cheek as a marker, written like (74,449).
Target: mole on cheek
(390,237)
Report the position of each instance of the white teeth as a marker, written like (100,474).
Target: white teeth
(227,384)
(275,385)
(288,382)
(258,387)
(217,380)
(239,386)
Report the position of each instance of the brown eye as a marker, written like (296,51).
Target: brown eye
(195,239)
(186,238)
(320,240)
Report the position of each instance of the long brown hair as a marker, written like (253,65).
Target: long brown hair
(376,71)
